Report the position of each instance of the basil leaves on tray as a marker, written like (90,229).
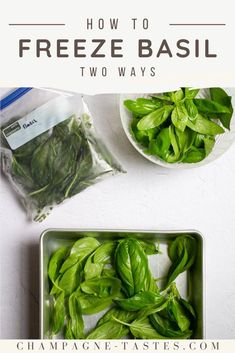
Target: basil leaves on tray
(89,277)
(179,127)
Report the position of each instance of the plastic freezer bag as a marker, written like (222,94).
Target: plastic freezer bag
(49,149)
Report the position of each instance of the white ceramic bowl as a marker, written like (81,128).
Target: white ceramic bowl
(222,144)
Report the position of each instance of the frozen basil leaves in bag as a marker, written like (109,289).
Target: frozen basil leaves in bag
(52,153)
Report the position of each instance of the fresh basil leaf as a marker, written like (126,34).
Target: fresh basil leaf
(68,334)
(183,139)
(174,144)
(140,301)
(209,106)
(155,118)
(191,109)
(160,147)
(142,328)
(109,330)
(104,252)
(55,288)
(91,304)
(183,242)
(149,247)
(194,155)
(167,328)
(150,102)
(162,97)
(205,126)
(69,281)
(154,308)
(109,272)
(142,136)
(132,267)
(179,116)
(190,93)
(75,313)
(92,270)
(141,106)
(72,269)
(179,314)
(209,142)
(96,261)
(220,96)
(80,250)
(102,287)
(182,252)
(55,263)
(57,315)
(117,313)
(178,95)
(188,307)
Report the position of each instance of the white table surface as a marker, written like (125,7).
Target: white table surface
(147,197)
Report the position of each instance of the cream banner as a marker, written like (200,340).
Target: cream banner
(140,346)
(123,46)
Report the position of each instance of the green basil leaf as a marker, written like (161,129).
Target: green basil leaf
(220,96)
(163,97)
(140,301)
(55,263)
(182,252)
(141,106)
(104,252)
(155,118)
(184,139)
(71,278)
(190,93)
(92,270)
(140,136)
(96,261)
(109,272)
(173,140)
(80,250)
(57,315)
(188,307)
(117,313)
(167,328)
(191,109)
(149,247)
(209,106)
(102,287)
(179,116)
(194,155)
(109,330)
(142,328)
(205,126)
(209,142)
(91,304)
(68,333)
(178,95)
(160,146)
(179,314)
(132,267)
(72,269)
(76,320)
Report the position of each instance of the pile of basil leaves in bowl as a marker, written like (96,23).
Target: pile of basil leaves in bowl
(180,129)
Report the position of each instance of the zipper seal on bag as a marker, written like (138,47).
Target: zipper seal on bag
(13,96)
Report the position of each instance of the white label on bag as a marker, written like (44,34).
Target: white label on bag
(38,121)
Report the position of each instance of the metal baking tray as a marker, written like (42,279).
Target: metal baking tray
(189,283)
